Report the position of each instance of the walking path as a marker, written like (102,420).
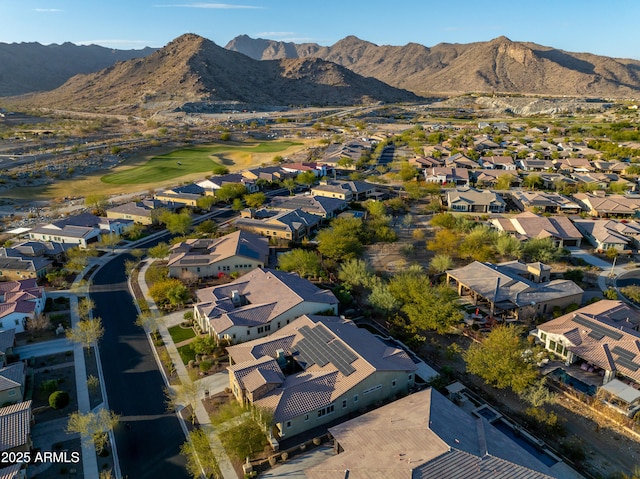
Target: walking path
(606,278)
(213,383)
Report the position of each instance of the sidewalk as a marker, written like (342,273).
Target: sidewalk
(214,383)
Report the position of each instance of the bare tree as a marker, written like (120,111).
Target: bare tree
(188,394)
(86,332)
(94,426)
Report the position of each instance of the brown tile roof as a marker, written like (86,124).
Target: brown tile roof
(601,344)
(530,225)
(15,425)
(319,384)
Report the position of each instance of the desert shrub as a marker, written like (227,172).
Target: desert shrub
(205,366)
(59,399)
(49,386)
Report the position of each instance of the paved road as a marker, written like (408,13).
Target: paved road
(149,446)
(628,278)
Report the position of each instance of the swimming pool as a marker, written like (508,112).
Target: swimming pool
(566,378)
(535,450)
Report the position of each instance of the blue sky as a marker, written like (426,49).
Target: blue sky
(604,28)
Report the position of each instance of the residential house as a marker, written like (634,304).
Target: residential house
(574,165)
(471,200)
(214,183)
(185,195)
(514,290)
(497,163)
(544,202)
(239,251)
(439,151)
(608,234)
(534,164)
(260,302)
(317,169)
(322,206)
(460,161)
(602,339)
(144,212)
(484,142)
(7,343)
(15,427)
(600,180)
(12,382)
(352,150)
(599,204)
(444,175)
(551,180)
(80,230)
(424,435)
(315,370)
(489,177)
(39,249)
(527,225)
(293,225)
(20,301)
(617,167)
(15,266)
(345,190)
(268,173)
(426,162)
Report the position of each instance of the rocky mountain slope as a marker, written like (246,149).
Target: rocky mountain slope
(29,67)
(195,71)
(499,65)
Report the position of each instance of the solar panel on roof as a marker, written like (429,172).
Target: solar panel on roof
(596,336)
(624,353)
(627,364)
(319,346)
(597,328)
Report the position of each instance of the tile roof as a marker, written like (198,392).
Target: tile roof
(602,343)
(7,339)
(15,425)
(266,294)
(12,376)
(209,251)
(474,196)
(422,436)
(483,278)
(24,307)
(529,225)
(11,472)
(611,231)
(315,205)
(319,384)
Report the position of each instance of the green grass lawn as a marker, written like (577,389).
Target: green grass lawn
(179,334)
(186,353)
(188,161)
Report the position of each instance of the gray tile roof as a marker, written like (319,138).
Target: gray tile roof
(7,339)
(12,376)
(422,436)
(15,425)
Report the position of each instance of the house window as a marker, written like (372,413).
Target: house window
(325,410)
(306,417)
(288,424)
(410,377)
(393,383)
(355,398)
(12,392)
(248,332)
(344,403)
(543,336)
(552,345)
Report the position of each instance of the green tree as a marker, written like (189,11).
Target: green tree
(306,263)
(93,426)
(200,457)
(206,202)
(97,202)
(508,246)
(186,394)
(207,227)
(538,394)
(532,181)
(444,220)
(612,253)
(159,251)
(500,361)
(148,321)
(440,263)
(177,223)
(255,200)
(204,344)
(381,296)
(169,291)
(230,191)
(243,440)
(86,332)
(306,178)
(444,242)
(427,307)
(220,170)
(237,205)
(78,258)
(478,244)
(376,208)
(85,307)
(504,182)
(407,171)
(541,249)
(343,240)
(355,273)
(290,184)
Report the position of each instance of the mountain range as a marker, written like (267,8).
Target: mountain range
(195,74)
(192,73)
(30,67)
(499,65)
